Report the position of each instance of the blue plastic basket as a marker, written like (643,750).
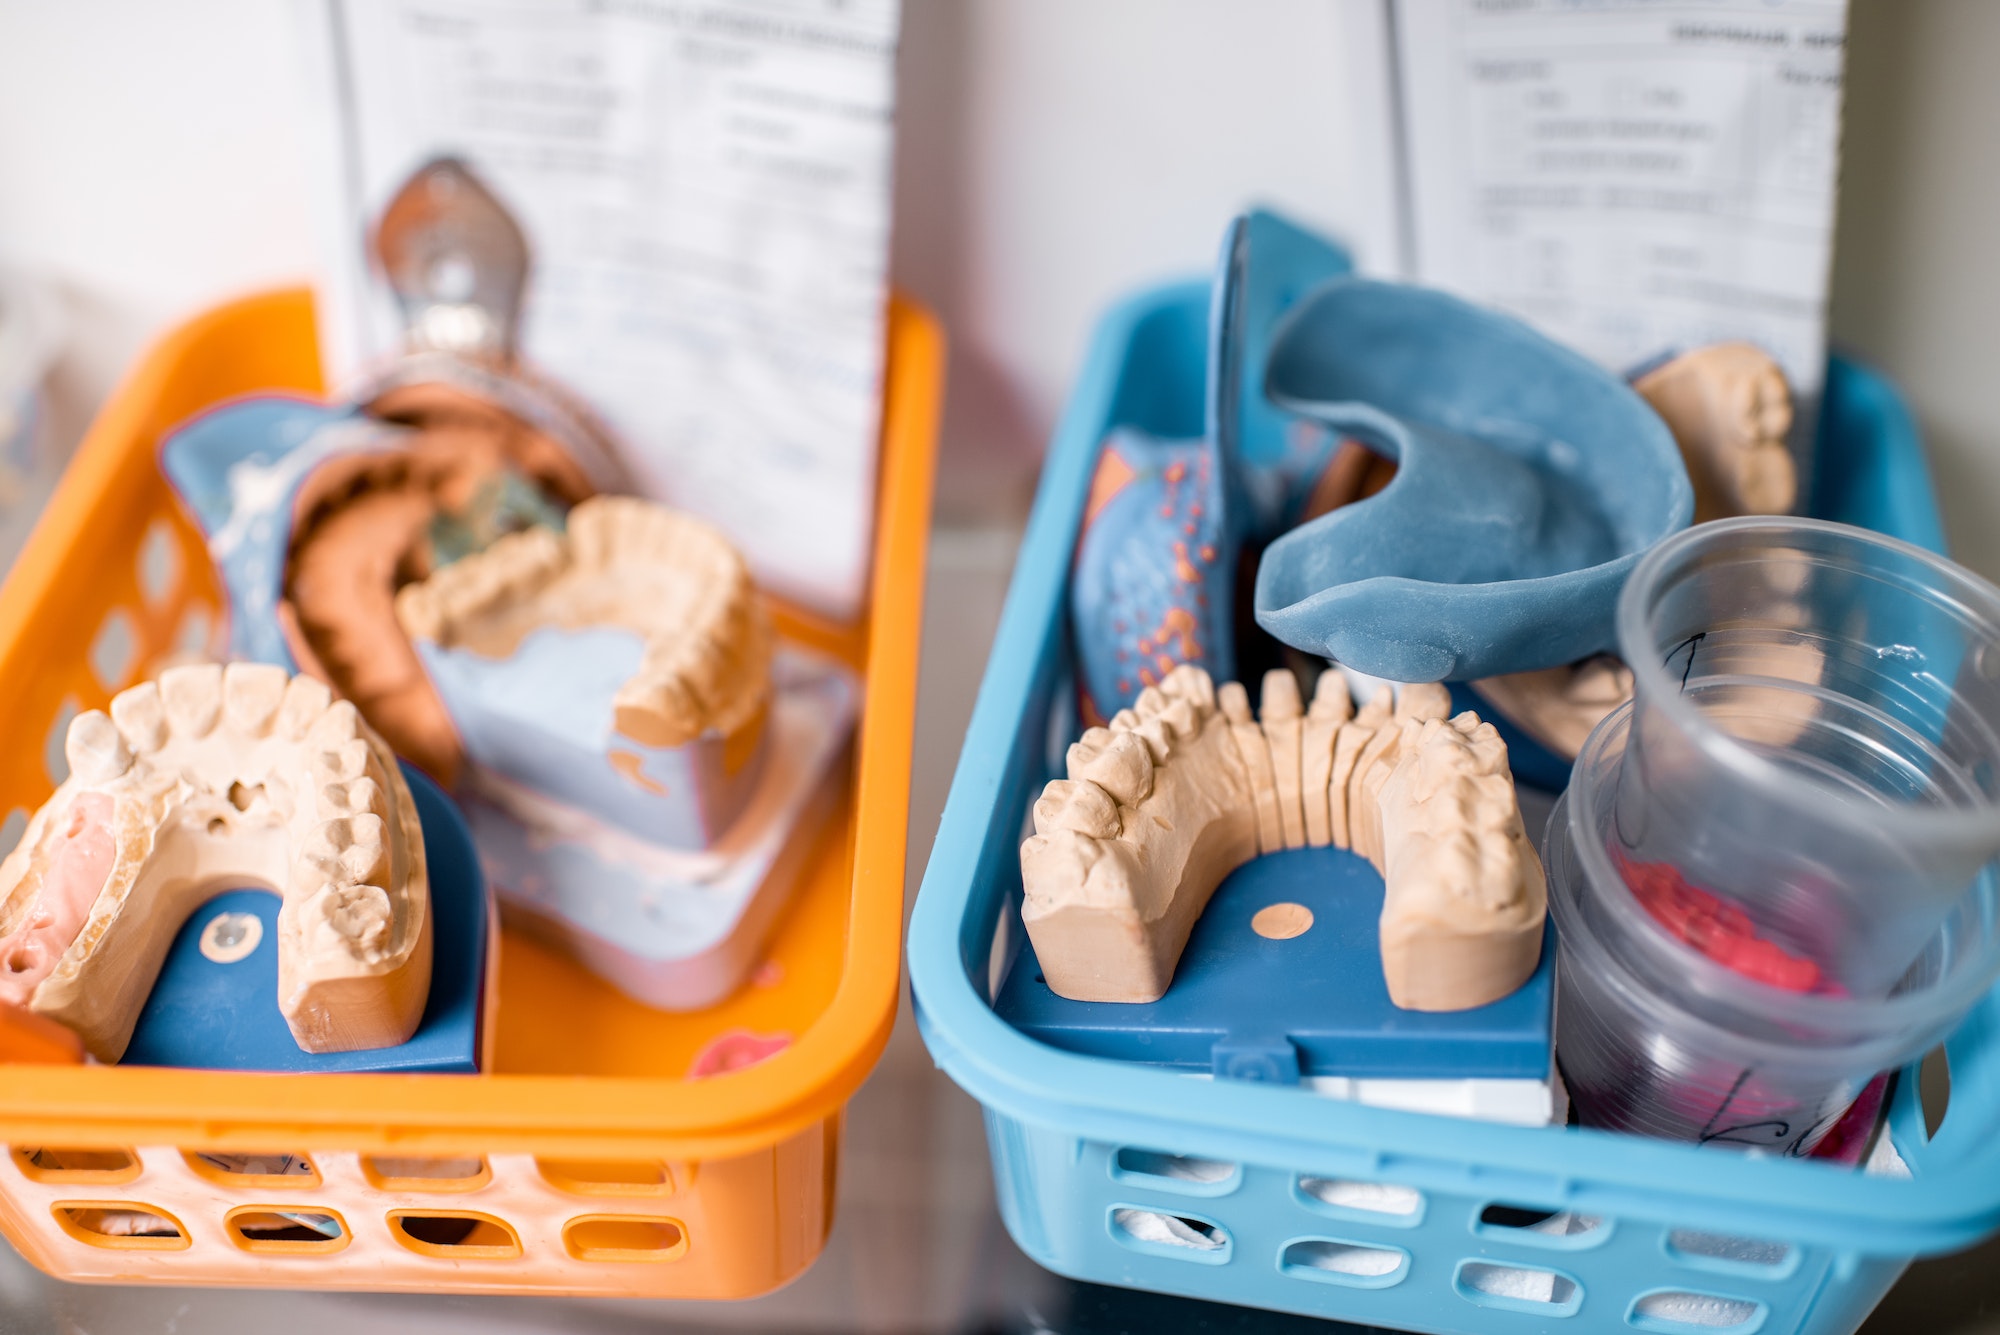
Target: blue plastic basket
(1778,1245)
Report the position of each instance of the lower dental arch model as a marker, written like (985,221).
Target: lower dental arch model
(214,776)
(1186,786)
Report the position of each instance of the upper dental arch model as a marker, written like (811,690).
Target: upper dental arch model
(667,576)
(209,777)
(1186,786)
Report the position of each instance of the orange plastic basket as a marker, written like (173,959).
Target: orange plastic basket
(585,1161)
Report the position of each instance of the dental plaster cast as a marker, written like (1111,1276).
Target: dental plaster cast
(623,667)
(1181,790)
(1156,810)
(1728,407)
(1559,706)
(365,523)
(213,776)
(1462,917)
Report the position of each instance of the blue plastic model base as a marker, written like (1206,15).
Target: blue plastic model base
(1283,1177)
(1250,1008)
(224,1017)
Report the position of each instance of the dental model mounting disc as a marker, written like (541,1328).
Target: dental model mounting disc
(1185,787)
(214,776)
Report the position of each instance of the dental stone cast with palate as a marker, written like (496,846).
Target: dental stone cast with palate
(212,775)
(1186,786)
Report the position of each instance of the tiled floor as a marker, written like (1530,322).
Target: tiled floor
(917,1248)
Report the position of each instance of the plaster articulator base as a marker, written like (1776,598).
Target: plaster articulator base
(677,930)
(640,775)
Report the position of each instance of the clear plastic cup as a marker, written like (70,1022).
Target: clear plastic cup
(1658,1038)
(1816,735)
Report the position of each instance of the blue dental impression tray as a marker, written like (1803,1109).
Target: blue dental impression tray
(1250,1008)
(205,1015)
(1528,484)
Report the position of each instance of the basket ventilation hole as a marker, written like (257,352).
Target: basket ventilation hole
(159,562)
(1173,1167)
(46,1164)
(1689,1244)
(55,756)
(1344,1262)
(1676,1310)
(1522,1223)
(258,1165)
(401,1174)
(607,1177)
(113,651)
(612,1238)
(1170,1230)
(286,1226)
(121,1225)
(1934,1088)
(1520,1288)
(1369,1197)
(455,1235)
(196,630)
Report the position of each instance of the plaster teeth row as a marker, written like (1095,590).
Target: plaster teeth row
(669,577)
(251,700)
(1113,767)
(1188,783)
(356,916)
(619,529)
(1151,804)
(1458,770)
(247,700)
(513,568)
(716,677)
(214,753)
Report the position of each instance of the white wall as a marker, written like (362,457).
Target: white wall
(1916,277)
(150,161)
(1054,153)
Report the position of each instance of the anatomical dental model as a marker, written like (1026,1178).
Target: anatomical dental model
(1186,786)
(639,621)
(1729,409)
(209,777)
